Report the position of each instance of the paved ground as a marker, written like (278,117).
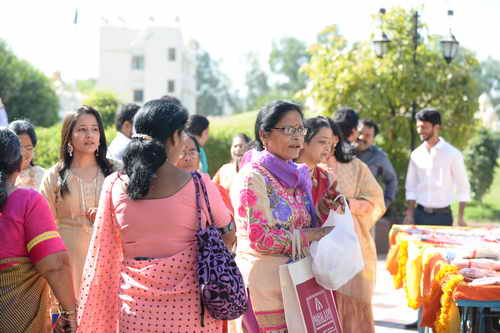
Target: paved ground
(389,305)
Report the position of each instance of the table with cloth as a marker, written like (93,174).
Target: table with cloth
(423,261)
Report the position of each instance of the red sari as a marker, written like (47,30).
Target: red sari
(324,191)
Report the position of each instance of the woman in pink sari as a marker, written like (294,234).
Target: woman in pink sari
(140,274)
(33,258)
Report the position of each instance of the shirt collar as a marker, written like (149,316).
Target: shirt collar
(438,145)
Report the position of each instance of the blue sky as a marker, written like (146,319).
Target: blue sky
(43,32)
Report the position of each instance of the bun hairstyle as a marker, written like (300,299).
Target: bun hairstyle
(270,115)
(10,160)
(155,122)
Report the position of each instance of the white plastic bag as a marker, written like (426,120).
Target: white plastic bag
(337,257)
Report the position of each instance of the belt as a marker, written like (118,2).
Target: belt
(434,210)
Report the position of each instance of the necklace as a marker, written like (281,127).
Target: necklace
(87,191)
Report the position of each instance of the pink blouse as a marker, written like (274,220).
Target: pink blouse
(162,227)
(27,228)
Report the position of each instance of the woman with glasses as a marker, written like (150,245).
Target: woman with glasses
(189,159)
(31,175)
(272,198)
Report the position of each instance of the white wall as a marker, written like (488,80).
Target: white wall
(118,45)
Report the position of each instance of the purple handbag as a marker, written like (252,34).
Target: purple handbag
(222,290)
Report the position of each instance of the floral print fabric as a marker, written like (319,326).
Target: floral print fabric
(268,212)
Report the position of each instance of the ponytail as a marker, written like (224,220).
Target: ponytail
(156,122)
(140,162)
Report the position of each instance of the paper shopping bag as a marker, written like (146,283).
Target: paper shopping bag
(309,308)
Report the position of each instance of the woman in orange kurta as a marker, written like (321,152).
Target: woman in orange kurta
(366,200)
(227,173)
(140,274)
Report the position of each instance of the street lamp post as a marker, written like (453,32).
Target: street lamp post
(449,49)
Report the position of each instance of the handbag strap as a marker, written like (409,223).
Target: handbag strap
(200,184)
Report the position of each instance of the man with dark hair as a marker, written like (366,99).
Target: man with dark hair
(347,120)
(124,127)
(436,176)
(376,159)
(197,126)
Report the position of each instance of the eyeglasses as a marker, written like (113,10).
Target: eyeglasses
(292,131)
(189,153)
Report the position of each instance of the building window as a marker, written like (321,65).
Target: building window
(171,86)
(138,62)
(138,95)
(171,54)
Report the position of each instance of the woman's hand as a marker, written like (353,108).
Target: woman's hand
(66,323)
(315,234)
(91,213)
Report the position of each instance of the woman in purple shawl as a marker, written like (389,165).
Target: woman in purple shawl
(271,198)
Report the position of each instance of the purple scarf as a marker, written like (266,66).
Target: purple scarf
(290,174)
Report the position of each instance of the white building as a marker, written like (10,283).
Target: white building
(140,65)
(488,113)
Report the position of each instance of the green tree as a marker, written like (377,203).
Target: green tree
(481,161)
(86,86)
(25,91)
(385,90)
(287,57)
(489,79)
(106,103)
(257,82)
(214,94)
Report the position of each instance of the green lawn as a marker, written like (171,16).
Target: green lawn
(489,209)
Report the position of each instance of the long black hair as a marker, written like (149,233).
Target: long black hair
(344,152)
(10,160)
(270,115)
(155,122)
(347,120)
(24,127)
(65,158)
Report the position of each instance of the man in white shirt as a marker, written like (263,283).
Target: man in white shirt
(124,126)
(436,176)
(4,121)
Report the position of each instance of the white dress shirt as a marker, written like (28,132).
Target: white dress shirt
(117,147)
(437,177)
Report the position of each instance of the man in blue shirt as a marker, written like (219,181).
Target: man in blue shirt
(198,127)
(376,159)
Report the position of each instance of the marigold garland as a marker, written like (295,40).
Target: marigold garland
(399,278)
(448,278)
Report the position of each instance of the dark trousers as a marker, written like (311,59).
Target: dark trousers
(442,218)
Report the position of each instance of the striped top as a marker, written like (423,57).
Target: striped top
(27,228)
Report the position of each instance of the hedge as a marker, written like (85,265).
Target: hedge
(222,130)
(49,141)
